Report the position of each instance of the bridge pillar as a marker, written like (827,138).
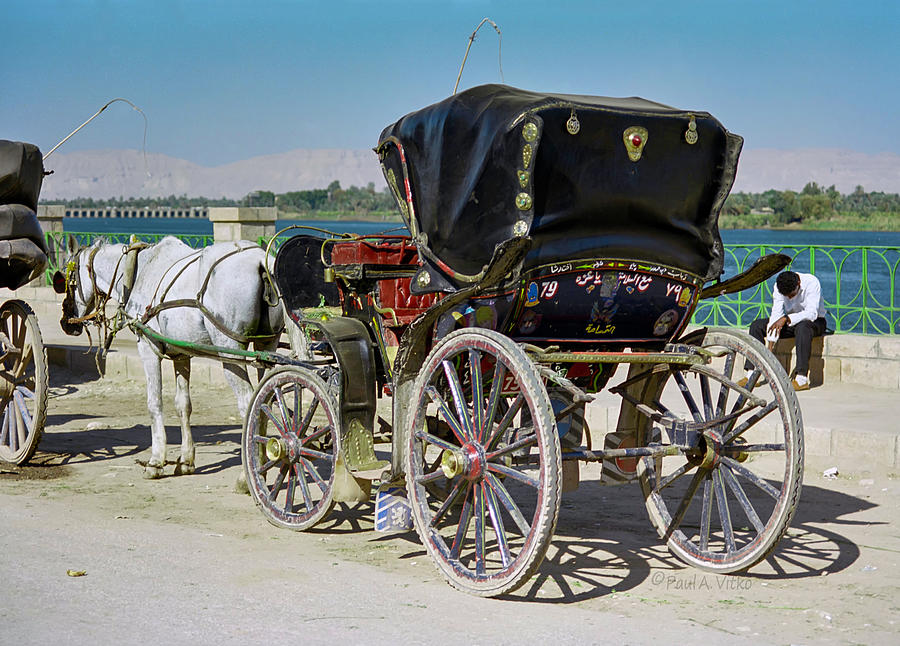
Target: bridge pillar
(242,222)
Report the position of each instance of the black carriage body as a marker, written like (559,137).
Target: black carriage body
(23,251)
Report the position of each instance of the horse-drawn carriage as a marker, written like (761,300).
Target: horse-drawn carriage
(557,242)
(23,257)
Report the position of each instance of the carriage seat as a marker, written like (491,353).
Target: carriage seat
(384,266)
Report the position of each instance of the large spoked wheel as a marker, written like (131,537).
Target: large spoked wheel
(723,505)
(23,382)
(290,446)
(484,491)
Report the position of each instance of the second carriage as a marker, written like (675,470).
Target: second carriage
(559,247)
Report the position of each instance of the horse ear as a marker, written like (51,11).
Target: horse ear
(72,245)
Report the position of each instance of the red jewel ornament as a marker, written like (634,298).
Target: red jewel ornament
(636,141)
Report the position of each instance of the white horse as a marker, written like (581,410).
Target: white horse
(229,282)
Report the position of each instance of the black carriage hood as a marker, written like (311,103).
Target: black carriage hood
(494,162)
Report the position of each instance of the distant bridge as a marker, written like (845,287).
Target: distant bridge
(138,212)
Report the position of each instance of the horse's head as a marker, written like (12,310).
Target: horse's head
(76,282)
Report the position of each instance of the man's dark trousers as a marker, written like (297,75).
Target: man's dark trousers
(803,332)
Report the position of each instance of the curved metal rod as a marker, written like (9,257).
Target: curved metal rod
(109,103)
(469,46)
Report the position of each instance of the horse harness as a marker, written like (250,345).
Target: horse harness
(99,298)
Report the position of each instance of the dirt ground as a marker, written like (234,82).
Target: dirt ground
(188,558)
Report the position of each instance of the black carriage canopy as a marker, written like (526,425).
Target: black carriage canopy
(584,176)
(23,251)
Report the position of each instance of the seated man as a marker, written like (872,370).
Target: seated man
(798,311)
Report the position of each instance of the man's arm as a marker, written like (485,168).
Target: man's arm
(811,293)
(777,307)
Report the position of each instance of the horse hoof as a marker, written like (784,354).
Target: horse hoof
(240,485)
(153,472)
(183,469)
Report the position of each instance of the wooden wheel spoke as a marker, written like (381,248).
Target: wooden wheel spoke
(275,489)
(264,468)
(298,410)
(509,472)
(706,397)
(312,453)
(465,517)
(23,411)
(741,470)
(528,440)
(447,414)
(5,435)
(493,399)
(724,513)
(24,361)
(685,502)
(496,523)
(312,437)
(435,440)
(304,486)
(704,515)
(307,419)
(498,490)
(740,429)
(310,468)
(285,415)
(459,487)
(687,396)
(459,400)
(279,426)
(291,487)
(505,421)
(477,391)
(753,448)
(742,499)
(674,476)
(479,512)
(728,371)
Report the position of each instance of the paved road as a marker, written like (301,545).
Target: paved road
(188,560)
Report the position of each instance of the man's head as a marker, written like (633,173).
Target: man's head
(788,284)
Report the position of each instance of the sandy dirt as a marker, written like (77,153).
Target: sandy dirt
(185,559)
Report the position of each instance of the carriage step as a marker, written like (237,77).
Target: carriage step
(392,510)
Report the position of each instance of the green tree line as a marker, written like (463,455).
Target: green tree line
(813,206)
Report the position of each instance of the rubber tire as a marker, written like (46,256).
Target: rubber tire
(543,522)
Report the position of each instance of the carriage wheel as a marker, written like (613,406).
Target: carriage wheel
(23,382)
(723,506)
(290,445)
(484,497)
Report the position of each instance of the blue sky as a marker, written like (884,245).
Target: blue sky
(226,80)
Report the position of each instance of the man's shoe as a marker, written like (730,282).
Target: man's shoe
(799,387)
(742,382)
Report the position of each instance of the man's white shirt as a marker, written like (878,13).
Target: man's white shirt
(807,305)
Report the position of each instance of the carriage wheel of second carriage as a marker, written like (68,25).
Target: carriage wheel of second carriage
(289,448)
(23,382)
(724,506)
(484,500)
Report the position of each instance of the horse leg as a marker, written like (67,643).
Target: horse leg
(237,378)
(153,372)
(185,463)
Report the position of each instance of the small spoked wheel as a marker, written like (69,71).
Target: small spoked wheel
(483,483)
(724,504)
(23,382)
(290,445)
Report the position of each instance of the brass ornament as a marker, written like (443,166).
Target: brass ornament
(690,135)
(520,228)
(530,131)
(527,151)
(523,201)
(635,139)
(523,176)
(423,279)
(573,126)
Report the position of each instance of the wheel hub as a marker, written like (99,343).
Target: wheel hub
(712,443)
(277,449)
(468,461)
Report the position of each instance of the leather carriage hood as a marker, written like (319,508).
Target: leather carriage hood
(495,162)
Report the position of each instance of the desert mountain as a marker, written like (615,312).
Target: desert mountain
(103,174)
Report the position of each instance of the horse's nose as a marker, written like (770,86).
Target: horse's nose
(59,282)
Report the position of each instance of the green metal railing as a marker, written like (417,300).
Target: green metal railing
(860,287)
(860,284)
